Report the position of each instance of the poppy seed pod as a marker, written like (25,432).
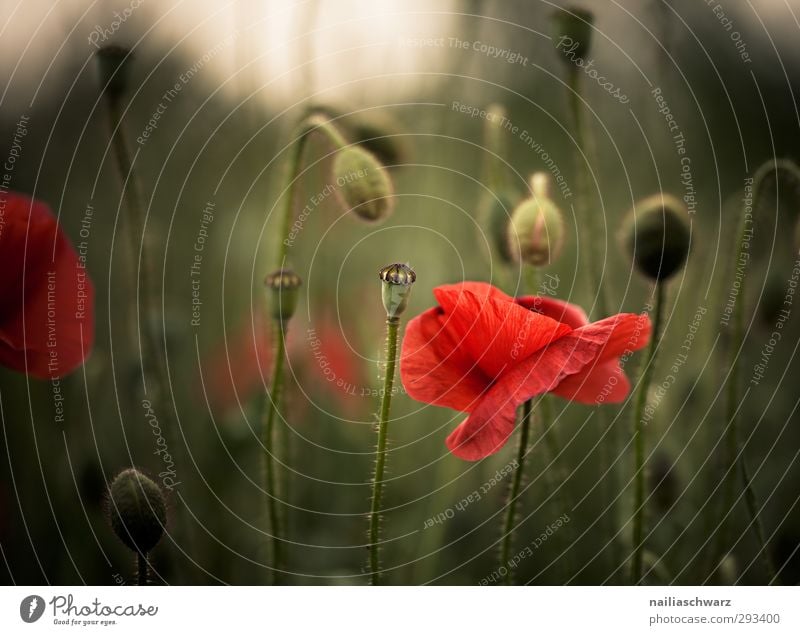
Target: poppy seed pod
(572,31)
(536,231)
(114,63)
(397,281)
(284,284)
(657,237)
(137,510)
(362,184)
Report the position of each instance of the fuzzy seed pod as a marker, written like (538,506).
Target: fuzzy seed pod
(137,510)
(362,184)
(536,231)
(656,235)
(397,281)
(285,285)
(114,64)
(572,32)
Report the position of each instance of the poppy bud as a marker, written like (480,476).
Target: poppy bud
(536,230)
(284,284)
(362,184)
(137,510)
(397,280)
(572,31)
(772,299)
(657,237)
(114,63)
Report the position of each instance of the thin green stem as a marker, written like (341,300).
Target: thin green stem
(392,324)
(638,431)
(588,218)
(141,569)
(271,408)
(735,457)
(513,493)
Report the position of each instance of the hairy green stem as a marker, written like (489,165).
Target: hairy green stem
(513,492)
(271,408)
(638,432)
(392,324)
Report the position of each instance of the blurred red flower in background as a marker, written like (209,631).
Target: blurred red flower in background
(485,353)
(47,298)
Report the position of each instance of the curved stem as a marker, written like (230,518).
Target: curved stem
(380,457)
(638,426)
(513,492)
(141,569)
(271,408)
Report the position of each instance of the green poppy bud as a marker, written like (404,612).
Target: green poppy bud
(396,289)
(114,65)
(572,32)
(656,235)
(362,184)
(284,284)
(536,231)
(137,510)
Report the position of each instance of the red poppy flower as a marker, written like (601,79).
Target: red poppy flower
(46,296)
(485,353)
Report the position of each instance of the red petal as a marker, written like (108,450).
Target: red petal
(47,305)
(570,314)
(494,330)
(434,369)
(603,381)
(487,429)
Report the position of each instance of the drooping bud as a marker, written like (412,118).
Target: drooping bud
(572,32)
(285,285)
(362,184)
(113,63)
(397,281)
(536,231)
(656,235)
(137,510)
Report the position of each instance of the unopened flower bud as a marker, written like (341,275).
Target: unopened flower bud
(572,31)
(498,220)
(362,184)
(656,235)
(137,510)
(396,289)
(285,285)
(536,231)
(113,63)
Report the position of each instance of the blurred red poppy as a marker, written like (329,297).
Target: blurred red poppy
(47,300)
(485,353)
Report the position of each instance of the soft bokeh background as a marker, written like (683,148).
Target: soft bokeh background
(223,140)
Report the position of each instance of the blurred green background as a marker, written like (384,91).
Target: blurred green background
(224,139)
